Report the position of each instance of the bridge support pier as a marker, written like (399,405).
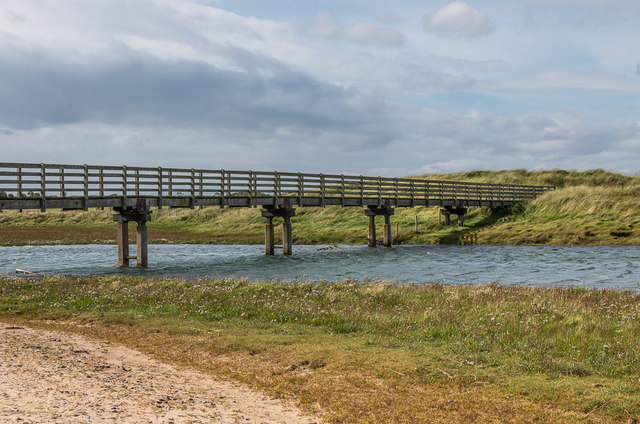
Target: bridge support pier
(450,210)
(372,212)
(285,213)
(371,239)
(141,215)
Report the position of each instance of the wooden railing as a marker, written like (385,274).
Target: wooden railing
(84,183)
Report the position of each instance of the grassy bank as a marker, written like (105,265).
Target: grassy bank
(592,207)
(372,352)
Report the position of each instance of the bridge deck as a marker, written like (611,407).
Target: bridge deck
(44,186)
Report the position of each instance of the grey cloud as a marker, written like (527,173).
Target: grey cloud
(397,145)
(361,32)
(527,141)
(638,69)
(264,94)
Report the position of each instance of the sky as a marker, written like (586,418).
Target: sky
(352,86)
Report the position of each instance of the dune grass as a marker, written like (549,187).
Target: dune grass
(587,208)
(365,352)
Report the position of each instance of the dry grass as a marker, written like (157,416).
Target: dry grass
(372,352)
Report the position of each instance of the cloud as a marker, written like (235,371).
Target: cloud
(551,81)
(259,93)
(587,2)
(416,78)
(187,66)
(178,83)
(361,32)
(458,20)
(638,69)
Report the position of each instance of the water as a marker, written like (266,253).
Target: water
(593,266)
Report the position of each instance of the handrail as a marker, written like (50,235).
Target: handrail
(58,181)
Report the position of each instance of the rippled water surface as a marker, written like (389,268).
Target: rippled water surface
(544,265)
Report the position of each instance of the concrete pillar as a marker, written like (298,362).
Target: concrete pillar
(286,236)
(387,231)
(123,243)
(286,213)
(371,240)
(268,237)
(123,215)
(372,212)
(141,245)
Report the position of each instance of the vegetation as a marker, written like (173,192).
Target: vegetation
(368,351)
(592,207)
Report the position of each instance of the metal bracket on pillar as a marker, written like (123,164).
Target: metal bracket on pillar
(285,213)
(141,215)
(372,212)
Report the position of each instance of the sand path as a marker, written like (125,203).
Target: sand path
(55,377)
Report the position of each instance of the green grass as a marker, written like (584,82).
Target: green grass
(371,351)
(587,208)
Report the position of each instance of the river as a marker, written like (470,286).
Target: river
(590,266)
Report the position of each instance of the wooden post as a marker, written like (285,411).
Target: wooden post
(322,188)
(413,193)
(61,176)
(43,186)
(101,182)
(137,183)
(141,245)
(395,189)
(20,184)
(387,231)
(286,236)
(170,183)
(416,223)
(268,237)
(300,188)
(250,187)
(192,181)
(123,243)
(85,205)
(124,186)
(371,240)
(159,187)
(222,188)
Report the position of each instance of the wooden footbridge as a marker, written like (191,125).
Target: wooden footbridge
(133,191)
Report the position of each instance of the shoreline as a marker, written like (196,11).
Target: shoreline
(41,235)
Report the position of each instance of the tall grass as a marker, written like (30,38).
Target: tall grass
(558,330)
